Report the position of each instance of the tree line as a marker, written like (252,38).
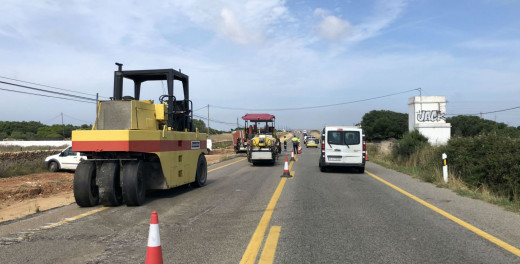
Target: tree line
(384,124)
(32,130)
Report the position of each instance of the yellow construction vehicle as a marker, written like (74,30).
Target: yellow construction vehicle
(136,145)
(263,144)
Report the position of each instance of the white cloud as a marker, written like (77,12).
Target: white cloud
(333,28)
(492,44)
(232,29)
(336,29)
(243,22)
(385,13)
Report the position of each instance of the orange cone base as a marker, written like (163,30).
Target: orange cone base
(154,255)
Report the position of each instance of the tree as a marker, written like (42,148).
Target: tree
(384,124)
(470,126)
(48,132)
(18,135)
(200,125)
(409,144)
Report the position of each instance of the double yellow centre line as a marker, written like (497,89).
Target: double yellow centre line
(258,237)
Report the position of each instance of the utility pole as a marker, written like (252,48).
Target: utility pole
(63,126)
(97,102)
(208,119)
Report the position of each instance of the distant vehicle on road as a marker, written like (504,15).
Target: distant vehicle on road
(65,160)
(311,142)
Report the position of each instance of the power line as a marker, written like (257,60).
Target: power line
(313,107)
(86,122)
(215,121)
(47,91)
(43,85)
(9,90)
(490,112)
(46,122)
(200,108)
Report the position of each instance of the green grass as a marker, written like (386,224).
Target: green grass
(18,168)
(222,144)
(434,175)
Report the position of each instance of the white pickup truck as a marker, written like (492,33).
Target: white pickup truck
(65,160)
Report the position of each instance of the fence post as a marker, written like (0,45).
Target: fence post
(445,168)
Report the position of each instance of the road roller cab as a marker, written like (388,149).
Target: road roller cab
(136,145)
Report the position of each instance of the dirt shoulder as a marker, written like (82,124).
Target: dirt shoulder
(24,195)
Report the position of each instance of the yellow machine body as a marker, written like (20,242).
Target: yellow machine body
(140,128)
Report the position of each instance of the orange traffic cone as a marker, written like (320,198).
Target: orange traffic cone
(154,251)
(286,169)
(366,155)
(292,154)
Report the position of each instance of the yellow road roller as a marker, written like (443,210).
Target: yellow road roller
(136,145)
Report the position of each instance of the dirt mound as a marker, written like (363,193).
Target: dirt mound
(24,195)
(34,185)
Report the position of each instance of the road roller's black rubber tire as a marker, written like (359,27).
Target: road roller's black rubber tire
(110,192)
(134,187)
(202,172)
(53,166)
(86,191)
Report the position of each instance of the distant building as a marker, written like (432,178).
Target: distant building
(428,115)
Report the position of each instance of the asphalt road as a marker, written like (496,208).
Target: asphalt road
(250,211)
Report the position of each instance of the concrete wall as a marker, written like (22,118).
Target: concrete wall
(428,115)
(52,143)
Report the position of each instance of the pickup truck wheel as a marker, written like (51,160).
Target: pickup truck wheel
(134,187)
(53,166)
(110,193)
(86,193)
(202,172)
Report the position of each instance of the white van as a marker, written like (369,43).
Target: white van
(343,146)
(65,160)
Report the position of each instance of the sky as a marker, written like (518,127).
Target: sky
(309,63)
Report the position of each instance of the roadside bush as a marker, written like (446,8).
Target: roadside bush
(22,163)
(491,160)
(10,168)
(409,144)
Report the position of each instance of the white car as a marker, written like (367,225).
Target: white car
(65,160)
